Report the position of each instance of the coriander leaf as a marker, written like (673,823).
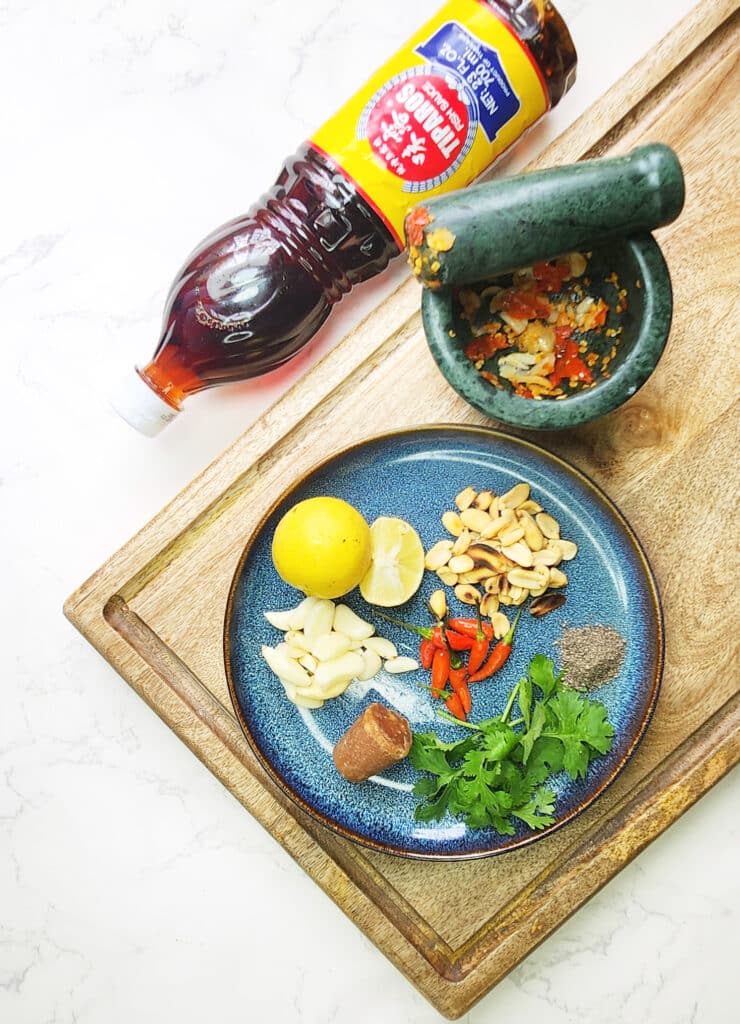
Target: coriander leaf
(433,810)
(518,784)
(482,817)
(482,806)
(582,718)
(534,730)
(538,813)
(542,674)
(428,759)
(563,710)
(598,731)
(525,699)
(431,739)
(429,754)
(498,741)
(475,765)
(465,793)
(580,724)
(546,758)
(575,758)
(426,786)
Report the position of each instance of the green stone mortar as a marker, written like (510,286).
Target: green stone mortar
(645,326)
(591,207)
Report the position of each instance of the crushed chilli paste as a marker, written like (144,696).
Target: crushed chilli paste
(538,333)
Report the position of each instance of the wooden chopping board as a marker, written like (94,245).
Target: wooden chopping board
(668,459)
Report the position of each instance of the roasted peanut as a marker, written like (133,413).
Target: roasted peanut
(557,578)
(467,593)
(511,535)
(439,555)
(462,543)
(484,555)
(568,549)
(483,500)
(477,575)
(460,564)
(438,603)
(548,526)
(475,519)
(465,498)
(545,604)
(489,605)
(452,523)
(532,533)
(524,578)
(500,625)
(513,498)
(519,553)
(547,556)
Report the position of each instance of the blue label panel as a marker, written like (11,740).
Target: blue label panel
(480,68)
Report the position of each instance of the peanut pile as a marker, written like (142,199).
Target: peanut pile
(503,550)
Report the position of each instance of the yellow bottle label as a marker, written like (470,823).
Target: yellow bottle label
(438,113)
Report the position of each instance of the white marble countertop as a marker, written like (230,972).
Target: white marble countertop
(133,887)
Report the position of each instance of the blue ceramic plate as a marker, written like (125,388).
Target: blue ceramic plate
(415,475)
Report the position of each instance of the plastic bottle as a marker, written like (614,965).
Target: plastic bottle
(471,81)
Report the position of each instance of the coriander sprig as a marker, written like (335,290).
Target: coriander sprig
(497,774)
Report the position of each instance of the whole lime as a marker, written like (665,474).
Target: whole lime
(322,547)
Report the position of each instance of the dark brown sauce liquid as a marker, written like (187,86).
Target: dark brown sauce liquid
(257,289)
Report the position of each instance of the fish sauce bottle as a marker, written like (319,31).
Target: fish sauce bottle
(476,76)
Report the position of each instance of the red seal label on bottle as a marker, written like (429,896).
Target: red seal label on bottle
(419,127)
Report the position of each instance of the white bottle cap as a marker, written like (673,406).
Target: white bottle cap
(141,406)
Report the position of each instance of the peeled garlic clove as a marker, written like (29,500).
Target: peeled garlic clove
(330,645)
(296,653)
(318,620)
(309,662)
(285,667)
(308,702)
(300,612)
(336,690)
(401,664)
(293,618)
(379,645)
(345,621)
(290,690)
(281,620)
(296,638)
(372,663)
(347,667)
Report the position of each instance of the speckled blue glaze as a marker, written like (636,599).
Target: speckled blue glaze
(415,475)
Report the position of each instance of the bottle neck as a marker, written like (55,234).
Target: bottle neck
(543,31)
(324,222)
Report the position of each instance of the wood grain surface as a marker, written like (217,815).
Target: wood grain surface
(668,458)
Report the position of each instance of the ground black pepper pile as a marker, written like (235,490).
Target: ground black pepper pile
(591,656)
